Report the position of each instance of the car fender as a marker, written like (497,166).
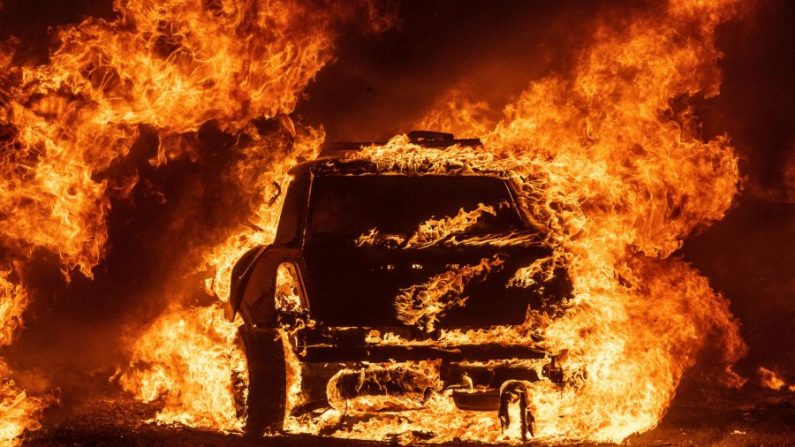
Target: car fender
(254,284)
(239,277)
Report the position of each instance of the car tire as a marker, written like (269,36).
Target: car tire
(267,388)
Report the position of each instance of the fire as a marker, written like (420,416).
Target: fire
(167,66)
(428,233)
(770,379)
(12,304)
(189,357)
(616,172)
(422,304)
(460,113)
(608,160)
(432,231)
(392,387)
(19,411)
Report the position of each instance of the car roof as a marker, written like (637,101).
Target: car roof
(424,138)
(338,158)
(328,166)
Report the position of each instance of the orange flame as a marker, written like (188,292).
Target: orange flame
(189,357)
(458,112)
(608,163)
(434,230)
(421,305)
(428,233)
(13,299)
(170,65)
(614,170)
(770,379)
(18,411)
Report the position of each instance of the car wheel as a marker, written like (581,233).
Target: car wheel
(267,388)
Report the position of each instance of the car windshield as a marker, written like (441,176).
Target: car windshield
(347,208)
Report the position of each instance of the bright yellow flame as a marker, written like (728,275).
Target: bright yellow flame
(190,358)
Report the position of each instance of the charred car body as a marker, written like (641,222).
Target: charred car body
(368,268)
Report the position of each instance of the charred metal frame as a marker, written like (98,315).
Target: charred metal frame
(493,388)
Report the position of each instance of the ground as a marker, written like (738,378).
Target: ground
(699,417)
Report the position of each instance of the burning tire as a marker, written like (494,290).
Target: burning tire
(267,380)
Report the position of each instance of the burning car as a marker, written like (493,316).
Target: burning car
(372,272)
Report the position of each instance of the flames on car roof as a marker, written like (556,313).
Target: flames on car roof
(341,158)
(425,138)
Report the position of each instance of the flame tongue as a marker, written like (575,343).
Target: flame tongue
(18,412)
(206,369)
(770,379)
(619,179)
(422,305)
(605,162)
(69,125)
(616,177)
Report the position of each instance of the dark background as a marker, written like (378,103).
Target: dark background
(381,84)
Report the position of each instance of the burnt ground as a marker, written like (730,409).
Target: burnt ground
(750,417)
